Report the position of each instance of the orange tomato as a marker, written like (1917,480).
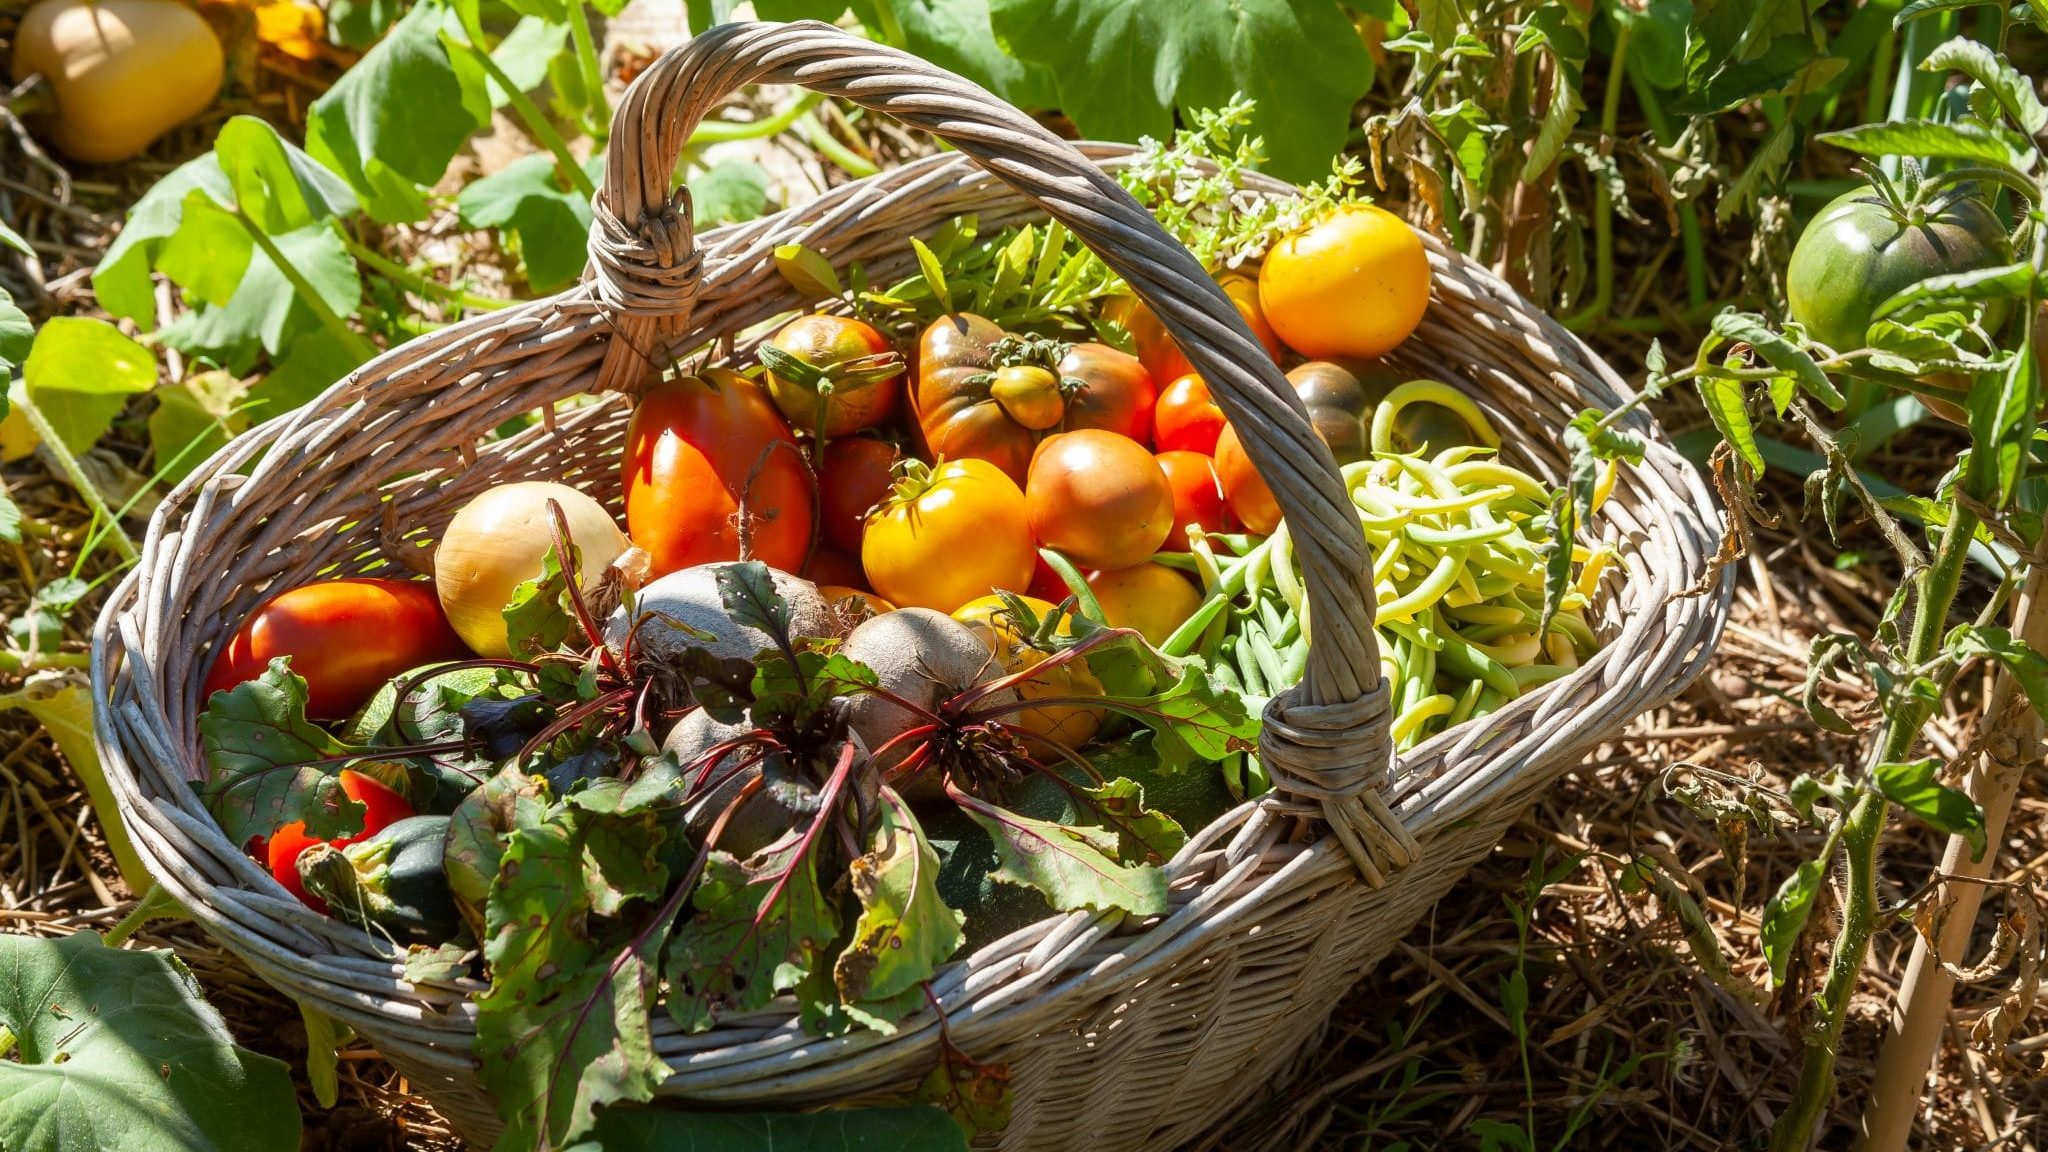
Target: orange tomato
(345,639)
(1353,284)
(845,353)
(703,455)
(1250,499)
(1098,498)
(1197,497)
(1150,599)
(1187,418)
(1157,351)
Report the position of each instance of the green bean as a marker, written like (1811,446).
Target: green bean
(1226,671)
(1406,729)
(1182,640)
(1264,655)
(1487,633)
(1523,648)
(1432,478)
(1294,661)
(1248,663)
(1428,591)
(1084,596)
(1575,626)
(1467,701)
(1462,658)
(1490,613)
(1181,562)
(1496,473)
(1276,624)
(1383,564)
(1537,675)
(1489,703)
(1447,537)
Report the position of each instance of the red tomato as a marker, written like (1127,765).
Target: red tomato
(854,478)
(1197,497)
(1098,498)
(1246,490)
(832,566)
(1187,418)
(1046,584)
(382,808)
(344,637)
(701,451)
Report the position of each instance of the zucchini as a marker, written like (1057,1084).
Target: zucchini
(392,882)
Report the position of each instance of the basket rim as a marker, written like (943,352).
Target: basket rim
(1254,861)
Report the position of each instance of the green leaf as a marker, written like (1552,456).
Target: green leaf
(1785,917)
(9,238)
(1560,116)
(2001,282)
(1920,8)
(550,223)
(2003,409)
(16,335)
(121,279)
(1774,349)
(2027,666)
(324,1037)
(807,270)
(1122,70)
(1723,399)
(477,834)
(957,36)
(729,192)
(1470,134)
(274,183)
(905,930)
(307,368)
(1914,787)
(1934,140)
(263,760)
(79,375)
(912,1128)
(1074,867)
(62,702)
(1143,833)
(392,123)
(265,309)
(193,420)
(1197,718)
(565,1027)
(2013,91)
(118,1049)
(539,617)
(759,928)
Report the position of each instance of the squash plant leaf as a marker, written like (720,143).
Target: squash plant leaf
(265,309)
(121,280)
(1122,69)
(80,373)
(905,930)
(194,419)
(1076,867)
(268,765)
(759,928)
(728,192)
(274,183)
(903,1128)
(957,35)
(16,335)
(392,123)
(550,224)
(117,1049)
(564,1028)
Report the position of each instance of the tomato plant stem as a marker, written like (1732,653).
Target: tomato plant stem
(1694,246)
(599,109)
(418,284)
(1603,201)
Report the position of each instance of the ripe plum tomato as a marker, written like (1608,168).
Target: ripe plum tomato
(1354,283)
(702,455)
(1187,418)
(991,395)
(948,534)
(1251,501)
(1098,498)
(1862,249)
(855,361)
(344,637)
(1197,497)
(382,808)
(855,475)
(1157,351)
(1150,599)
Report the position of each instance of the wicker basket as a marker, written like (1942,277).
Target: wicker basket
(1122,1034)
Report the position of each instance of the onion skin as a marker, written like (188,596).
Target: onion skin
(498,540)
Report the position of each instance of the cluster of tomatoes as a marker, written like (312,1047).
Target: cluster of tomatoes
(933,478)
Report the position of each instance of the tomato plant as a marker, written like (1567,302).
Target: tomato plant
(345,638)
(710,467)
(1869,244)
(948,534)
(1098,498)
(1354,283)
(832,374)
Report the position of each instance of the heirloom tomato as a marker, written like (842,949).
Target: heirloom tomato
(1354,283)
(1110,390)
(947,534)
(1098,498)
(1157,351)
(855,362)
(709,462)
(345,639)
(856,474)
(1251,501)
(1187,418)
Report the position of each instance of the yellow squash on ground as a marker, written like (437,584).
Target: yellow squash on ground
(122,72)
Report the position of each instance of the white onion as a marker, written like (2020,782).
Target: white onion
(498,540)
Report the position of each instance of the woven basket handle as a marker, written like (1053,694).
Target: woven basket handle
(1324,739)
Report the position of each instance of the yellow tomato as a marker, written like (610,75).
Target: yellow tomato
(1354,283)
(947,535)
(1072,725)
(1151,599)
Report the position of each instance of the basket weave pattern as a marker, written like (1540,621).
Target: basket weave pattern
(1126,1035)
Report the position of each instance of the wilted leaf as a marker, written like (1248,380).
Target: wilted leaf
(1785,917)
(905,930)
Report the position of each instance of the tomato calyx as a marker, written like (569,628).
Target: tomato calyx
(836,378)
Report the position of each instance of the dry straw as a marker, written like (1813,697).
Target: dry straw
(1119,1034)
